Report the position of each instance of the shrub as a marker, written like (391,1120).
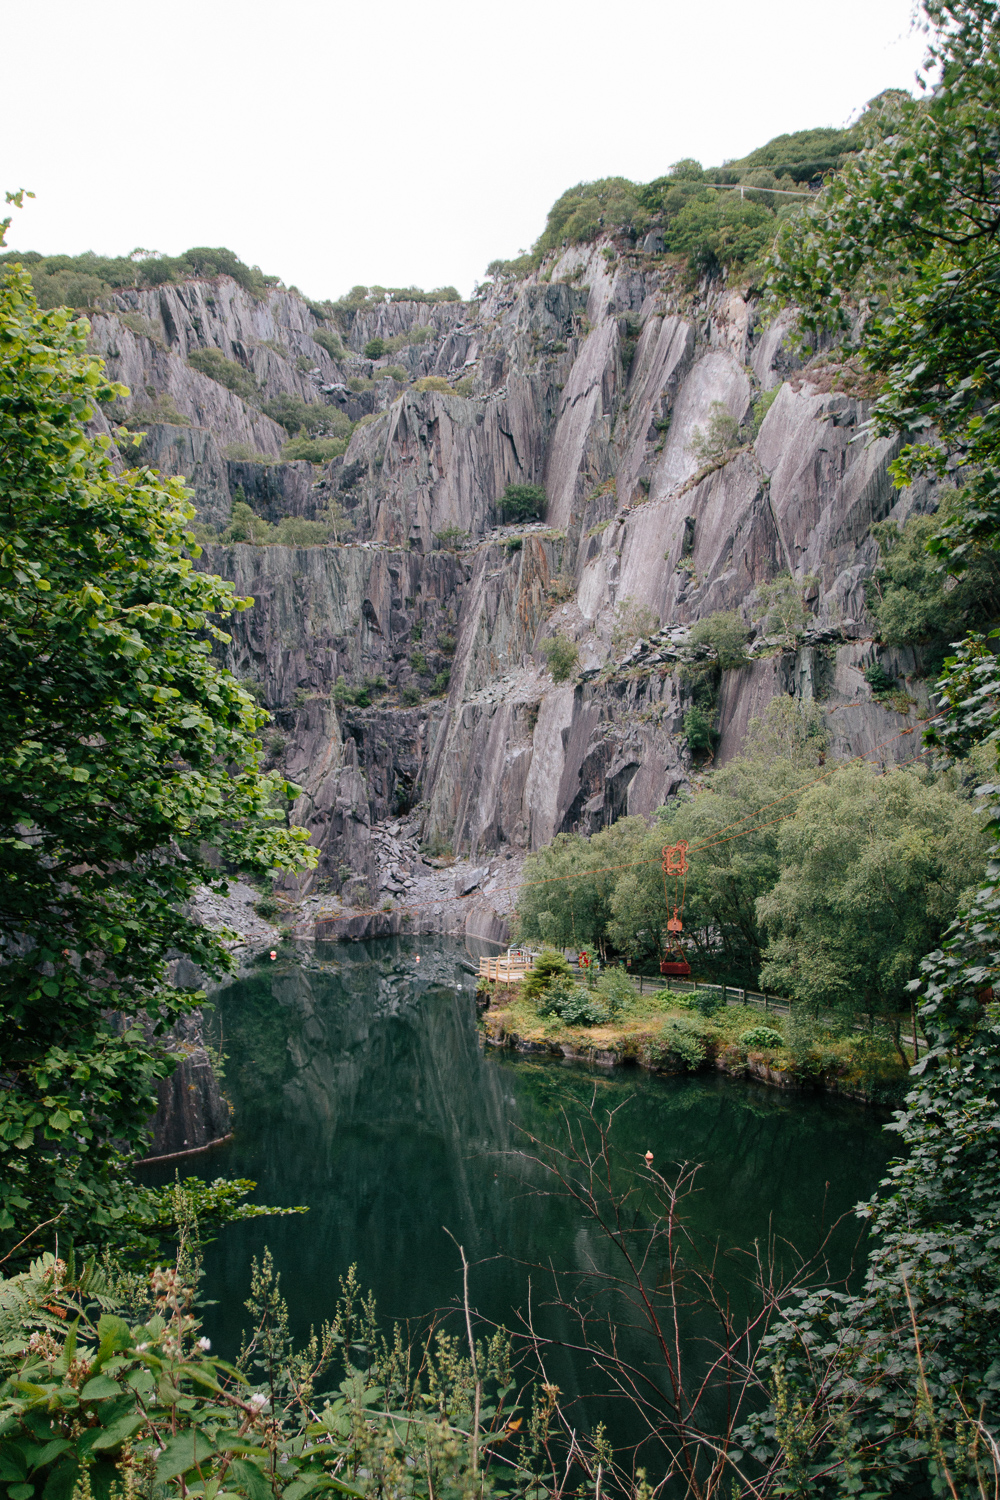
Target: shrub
(354,697)
(314,450)
(410,696)
(446,643)
(311,418)
(465,386)
(879,680)
(720,436)
(451,538)
(246,526)
(514,543)
(411,340)
(418,661)
(375,348)
(267,908)
(243,453)
(707,1002)
(161,409)
(633,622)
(572,1004)
(441,683)
(761,407)
(698,729)
(296,531)
(616,989)
(396,373)
(785,613)
(727,633)
(330,342)
(358,386)
(761,1038)
(685,1038)
(523,502)
(434,383)
(214,364)
(548,966)
(561,655)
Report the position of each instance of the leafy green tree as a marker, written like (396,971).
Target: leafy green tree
(783,605)
(721,434)
(245,525)
(228,372)
(873,867)
(918,600)
(561,655)
(126,758)
(727,633)
(523,502)
(908,230)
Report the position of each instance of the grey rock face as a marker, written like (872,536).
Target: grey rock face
(595,382)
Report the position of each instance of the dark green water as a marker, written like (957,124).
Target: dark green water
(361,1089)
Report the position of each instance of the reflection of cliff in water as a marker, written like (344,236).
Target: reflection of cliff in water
(360,1088)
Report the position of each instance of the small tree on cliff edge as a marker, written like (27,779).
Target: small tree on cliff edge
(125,753)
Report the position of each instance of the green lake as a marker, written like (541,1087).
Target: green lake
(361,1088)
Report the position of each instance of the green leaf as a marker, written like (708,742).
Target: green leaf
(98,1388)
(182,1453)
(250,1480)
(119,1432)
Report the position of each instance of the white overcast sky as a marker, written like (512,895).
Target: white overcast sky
(334,143)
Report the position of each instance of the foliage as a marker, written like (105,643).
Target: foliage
(718,439)
(314,450)
(698,730)
(872,870)
(441,683)
(805,155)
(561,656)
(784,612)
(761,407)
(115,1392)
(374,349)
(330,341)
(214,364)
(246,454)
(523,502)
(161,408)
(307,418)
(433,383)
(761,1038)
(410,696)
(452,538)
(879,680)
(727,634)
(548,966)
(397,373)
(908,230)
(584,211)
(684,1037)
(616,989)
(572,1003)
(80,281)
(917,598)
(246,526)
(126,757)
(633,622)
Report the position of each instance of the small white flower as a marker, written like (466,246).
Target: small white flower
(204,1344)
(141,1348)
(258,1401)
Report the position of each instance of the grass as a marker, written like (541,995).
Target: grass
(859,1063)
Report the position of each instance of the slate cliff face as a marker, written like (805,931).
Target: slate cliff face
(591,379)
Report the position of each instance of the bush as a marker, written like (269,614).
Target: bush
(451,538)
(246,526)
(573,1004)
(523,502)
(616,989)
(465,386)
(309,418)
(353,697)
(684,1037)
(634,621)
(727,633)
(319,450)
(761,1038)
(411,340)
(214,364)
(447,644)
(441,684)
(719,437)
(761,407)
(514,543)
(396,373)
(375,348)
(434,383)
(698,729)
(410,696)
(330,342)
(244,454)
(561,655)
(296,531)
(879,680)
(548,966)
(418,661)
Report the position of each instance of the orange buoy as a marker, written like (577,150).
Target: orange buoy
(273,955)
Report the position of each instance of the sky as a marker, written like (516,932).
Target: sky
(399,143)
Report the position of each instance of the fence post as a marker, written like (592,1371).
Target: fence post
(765,1005)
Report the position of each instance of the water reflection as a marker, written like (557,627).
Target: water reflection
(361,1089)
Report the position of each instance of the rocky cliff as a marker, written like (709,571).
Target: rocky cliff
(593,378)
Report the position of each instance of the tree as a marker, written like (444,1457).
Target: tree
(561,656)
(727,634)
(873,866)
(908,233)
(523,502)
(129,775)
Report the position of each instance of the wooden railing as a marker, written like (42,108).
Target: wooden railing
(504,970)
